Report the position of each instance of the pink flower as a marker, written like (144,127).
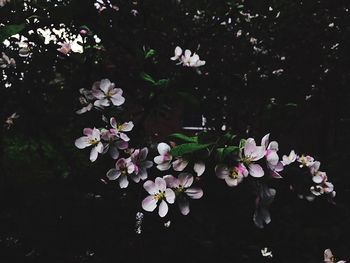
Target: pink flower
(163,160)
(91,138)
(272,158)
(232,176)
(182,187)
(106,93)
(317,176)
(123,168)
(180,164)
(251,153)
(158,193)
(119,129)
(138,158)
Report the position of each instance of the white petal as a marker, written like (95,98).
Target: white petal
(123,181)
(149,203)
(150,187)
(82,142)
(113,174)
(93,154)
(163,148)
(163,209)
(160,184)
(194,192)
(199,168)
(184,206)
(169,196)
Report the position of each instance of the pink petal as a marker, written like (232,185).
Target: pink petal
(231,182)
(180,164)
(272,157)
(117,100)
(185,179)
(104,85)
(82,142)
(113,122)
(150,187)
(265,140)
(171,181)
(87,131)
(160,184)
(256,170)
(163,148)
(164,166)
(149,203)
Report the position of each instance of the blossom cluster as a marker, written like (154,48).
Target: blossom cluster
(103,94)
(186,58)
(6,61)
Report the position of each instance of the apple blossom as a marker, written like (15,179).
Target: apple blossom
(92,138)
(291,158)
(186,58)
(178,53)
(163,160)
(119,129)
(123,168)
(138,158)
(232,176)
(113,144)
(272,158)
(251,153)
(329,258)
(317,176)
(305,161)
(182,188)
(158,193)
(105,93)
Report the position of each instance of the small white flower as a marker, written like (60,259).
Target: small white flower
(91,138)
(158,193)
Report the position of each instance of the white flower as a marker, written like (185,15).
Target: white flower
(106,93)
(305,161)
(232,176)
(186,58)
(123,168)
(286,160)
(158,193)
(182,187)
(119,129)
(91,138)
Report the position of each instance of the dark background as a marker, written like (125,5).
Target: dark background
(54,206)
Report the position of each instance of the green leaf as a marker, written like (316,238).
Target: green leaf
(188,148)
(150,53)
(241,143)
(184,138)
(162,82)
(147,78)
(224,152)
(10,30)
(229,136)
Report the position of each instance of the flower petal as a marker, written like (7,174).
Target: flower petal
(160,184)
(199,168)
(150,187)
(149,203)
(123,181)
(163,209)
(163,148)
(184,206)
(256,170)
(113,174)
(169,196)
(185,179)
(194,192)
